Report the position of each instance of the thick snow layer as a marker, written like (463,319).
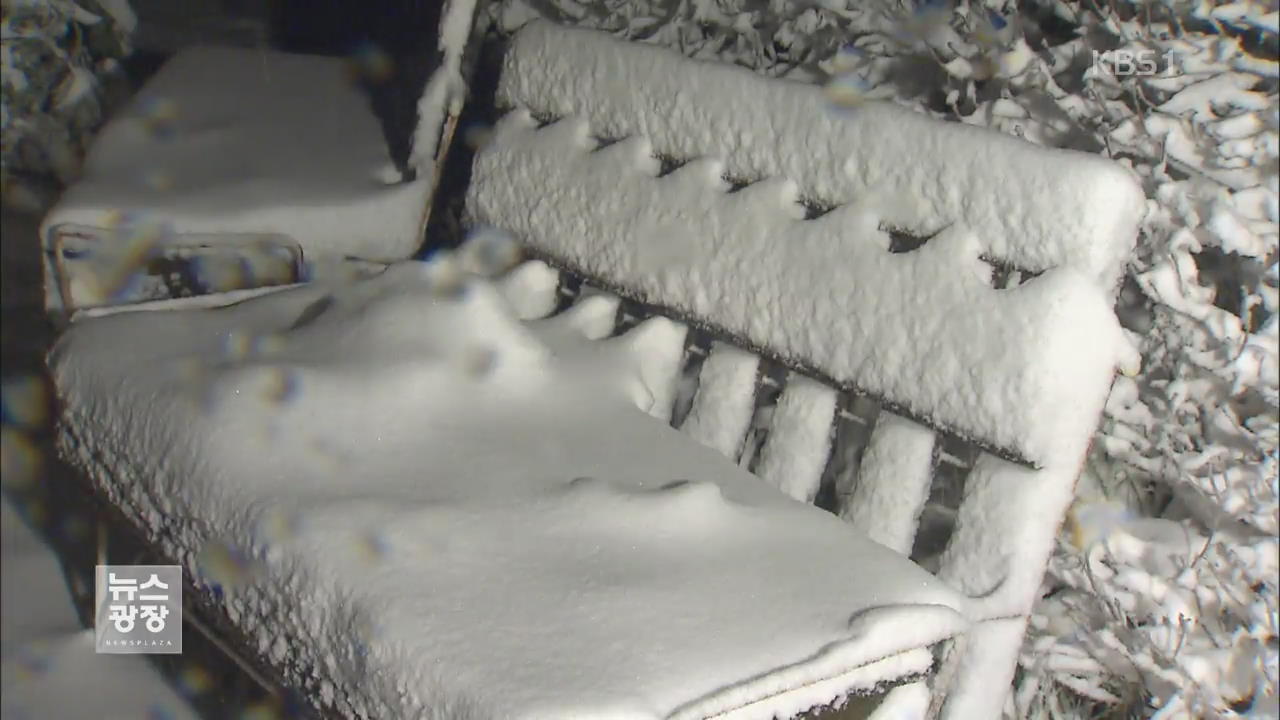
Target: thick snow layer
(49,668)
(247,142)
(1035,207)
(418,506)
(1025,368)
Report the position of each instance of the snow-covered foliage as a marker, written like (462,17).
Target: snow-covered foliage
(54,56)
(1162,597)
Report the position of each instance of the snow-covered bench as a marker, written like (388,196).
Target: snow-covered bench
(907,321)
(245,167)
(394,497)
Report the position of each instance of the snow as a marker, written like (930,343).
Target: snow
(50,669)
(80,83)
(1034,206)
(530,289)
(453,510)
(893,482)
(905,702)
(446,90)
(725,400)
(243,143)
(991,650)
(1024,369)
(121,13)
(657,344)
(799,441)
(915,662)
(593,315)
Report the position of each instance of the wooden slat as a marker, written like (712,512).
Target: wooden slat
(769,382)
(893,482)
(1006,529)
(855,417)
(725,401)
(799,442)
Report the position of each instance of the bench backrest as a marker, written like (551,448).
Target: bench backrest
(872,293)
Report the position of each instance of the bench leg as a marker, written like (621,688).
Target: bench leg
(977,671)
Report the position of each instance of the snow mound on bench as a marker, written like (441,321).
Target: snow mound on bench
(1024,369)
(416,506)
(1034,207)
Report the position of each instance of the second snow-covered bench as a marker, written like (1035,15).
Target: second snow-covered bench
(239,168)
(907,321)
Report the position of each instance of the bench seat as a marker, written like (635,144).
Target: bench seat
(906,321)
(417,506)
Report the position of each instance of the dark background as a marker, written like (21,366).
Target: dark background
(403,29)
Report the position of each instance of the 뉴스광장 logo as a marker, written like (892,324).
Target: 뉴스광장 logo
(138,609)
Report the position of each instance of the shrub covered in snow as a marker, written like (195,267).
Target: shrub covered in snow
(54,55)
(1162,598)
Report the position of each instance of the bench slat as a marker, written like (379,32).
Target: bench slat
(799,442)
(997,553)
(725,401)
(892,482)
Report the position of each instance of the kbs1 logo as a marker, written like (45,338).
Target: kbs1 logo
(1127,63)
(138,609)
